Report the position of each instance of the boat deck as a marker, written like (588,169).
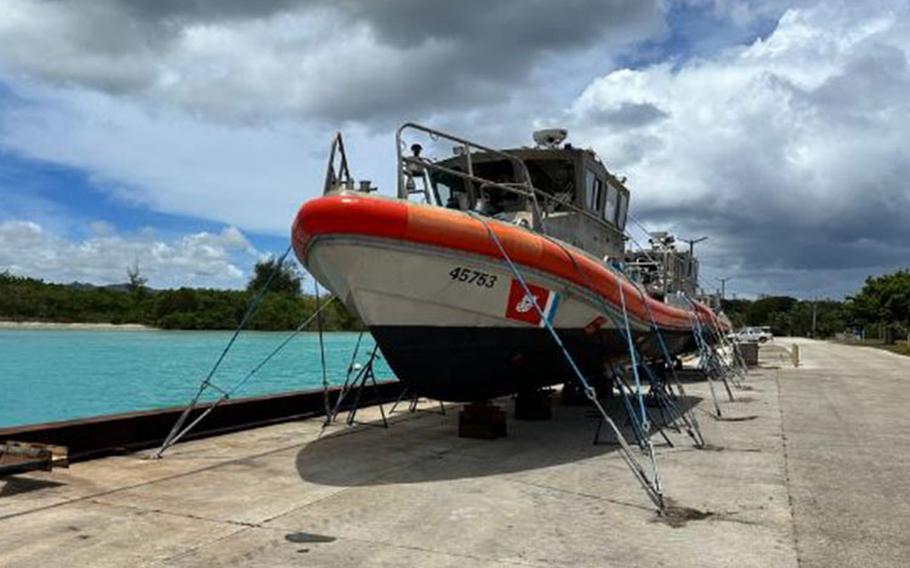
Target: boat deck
(812,472)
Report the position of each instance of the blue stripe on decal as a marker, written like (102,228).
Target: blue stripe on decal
(552,312)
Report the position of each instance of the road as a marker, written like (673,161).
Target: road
(847,446)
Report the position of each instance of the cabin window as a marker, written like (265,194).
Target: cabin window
(450,191)
(593,191)
(610,205)
(623,210)
(443,192)
(555,177)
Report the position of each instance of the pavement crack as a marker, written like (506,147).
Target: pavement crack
(783,439)
(189,516)
(581,494)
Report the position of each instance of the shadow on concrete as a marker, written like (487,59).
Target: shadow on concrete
(426,448)
(690,375)
(14,485)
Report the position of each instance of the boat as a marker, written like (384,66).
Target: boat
(463,273)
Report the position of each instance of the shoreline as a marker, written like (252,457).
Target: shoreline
(104,326)
(9,324)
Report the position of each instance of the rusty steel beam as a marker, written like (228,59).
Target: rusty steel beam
(20,457)
(89,438)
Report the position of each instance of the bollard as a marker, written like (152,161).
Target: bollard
(748,350)
(794,354)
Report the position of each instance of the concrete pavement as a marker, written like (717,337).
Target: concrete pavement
(784,483)
(848,453)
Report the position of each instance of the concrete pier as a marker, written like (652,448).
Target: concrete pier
(809,468)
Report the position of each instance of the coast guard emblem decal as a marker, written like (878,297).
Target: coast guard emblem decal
(520,306)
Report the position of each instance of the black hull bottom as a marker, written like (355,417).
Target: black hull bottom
(465,364)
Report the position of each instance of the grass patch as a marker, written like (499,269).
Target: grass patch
(899,347)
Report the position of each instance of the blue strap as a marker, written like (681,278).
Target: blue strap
(645,424)
(606,310)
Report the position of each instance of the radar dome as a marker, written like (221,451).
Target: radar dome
(550,137)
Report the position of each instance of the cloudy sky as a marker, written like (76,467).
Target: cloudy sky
(185,134)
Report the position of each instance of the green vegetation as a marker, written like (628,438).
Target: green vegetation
(880,311)
(884,302)
(790,316)
(899,347)
(282,308)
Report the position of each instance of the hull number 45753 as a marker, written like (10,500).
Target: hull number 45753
(470,276)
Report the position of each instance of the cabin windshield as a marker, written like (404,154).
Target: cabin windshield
(555,177)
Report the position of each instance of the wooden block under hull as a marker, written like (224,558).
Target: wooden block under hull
(482,421)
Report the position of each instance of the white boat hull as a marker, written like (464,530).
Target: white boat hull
(458,326)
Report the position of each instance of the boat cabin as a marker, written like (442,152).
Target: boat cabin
(555,188)
(663,269)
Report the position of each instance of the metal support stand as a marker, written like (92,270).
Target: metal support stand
(736,366)
(708,359)
(660,397)
(364,375)
(666,390)
(627,392)
(689,419)
(650,483)
(413,399)
(667,399)
(719,352)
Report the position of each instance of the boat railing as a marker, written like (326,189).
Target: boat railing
(413,166)
(338,175)
(337,172)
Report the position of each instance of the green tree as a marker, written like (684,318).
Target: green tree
(23,298)
(135,281)
(285,281)
(883,300)
(736,311)
(772,311)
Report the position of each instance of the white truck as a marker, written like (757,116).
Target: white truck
(758,334)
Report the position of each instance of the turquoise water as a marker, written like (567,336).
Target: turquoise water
(50,375)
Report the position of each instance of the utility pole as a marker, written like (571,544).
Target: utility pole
(690,265)
(814,315)
(723,286)
(692,243)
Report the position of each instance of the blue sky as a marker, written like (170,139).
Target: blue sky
(187,139)
(33,188)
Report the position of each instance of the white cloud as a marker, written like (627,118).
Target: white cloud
(219,110)
(173,162)
(200,259)
(343,60)
(790,152)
